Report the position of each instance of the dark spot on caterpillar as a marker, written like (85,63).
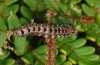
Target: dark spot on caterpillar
(45,29)
(22,32)
(39,29)
(28,29)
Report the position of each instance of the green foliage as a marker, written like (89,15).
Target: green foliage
(13,21)
(5,54)
(2,38)
(3,26)
(28,58)
(20,46)
(31,3)
(9,61)
(25,11)
(80,48)
(87,10)
(80,53)
(9,2)
(97,19)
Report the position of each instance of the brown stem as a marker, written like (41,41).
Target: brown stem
(50,53)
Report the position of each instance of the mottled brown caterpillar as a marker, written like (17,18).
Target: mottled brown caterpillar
(45,30)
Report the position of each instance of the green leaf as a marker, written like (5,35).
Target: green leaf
(73,57)
(41,6)
(98,40)
(90,2)
(40,57)
(9,2)
(71,38)
(97,3)
(91,57)
(56,52)
(3,37)
(60,59)
(25,11)
(85,50)
(13,8)
(85,62)
(76,11)
(55,20)
(10,61)
(28,58)
(64,1)
(23,21)
(73,60)
(93,33)
(5,54)
(78,43)
(43,56)
(84,28)
(38,63)
(67,63)
(62,51)
(60,42)
(73,2)
(63,7)
(66,47)
(52,4)
(13,21)
(3,26)
(1,8)
(41,49)
(7,61)
(97,19)
(88,10)
(63,40)
(31,3)
(20,45)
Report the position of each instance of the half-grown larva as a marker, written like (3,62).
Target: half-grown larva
(45,30)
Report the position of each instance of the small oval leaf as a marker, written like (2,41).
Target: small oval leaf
(88,10)
(26,12)
(20,45)
(78,43)
(97,19)
(9,2)
(28,58)
(90,2)
(67,63)
(41,49)
(73,2)
(31,3)
(60,59)
(13,8)
(53,5)
(23,21)
(3,26)
(85,50)
(5,54)
(10,61)
(97,3)
(13,21)
(92,57)
(3,37)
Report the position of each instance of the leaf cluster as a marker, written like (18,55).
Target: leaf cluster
(77,49)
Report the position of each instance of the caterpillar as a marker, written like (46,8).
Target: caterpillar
(45,30)
(49,32)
